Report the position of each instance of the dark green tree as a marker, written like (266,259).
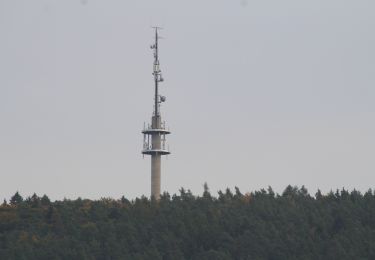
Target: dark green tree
(45,201)
(16,199)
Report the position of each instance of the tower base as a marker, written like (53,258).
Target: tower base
(155,176)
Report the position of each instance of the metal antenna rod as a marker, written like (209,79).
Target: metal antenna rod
(157,72)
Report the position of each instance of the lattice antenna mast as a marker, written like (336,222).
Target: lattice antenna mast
(157,72)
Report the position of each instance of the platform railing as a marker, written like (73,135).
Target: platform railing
(147,146)
(149,127)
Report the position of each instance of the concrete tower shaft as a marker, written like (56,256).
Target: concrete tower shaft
(155,176)
(156,147)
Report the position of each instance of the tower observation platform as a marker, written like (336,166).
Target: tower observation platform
(154,134)
(148,132)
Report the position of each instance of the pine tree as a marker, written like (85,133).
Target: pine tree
(16,199)
(45,201)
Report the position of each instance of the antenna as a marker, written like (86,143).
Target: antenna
(157,72)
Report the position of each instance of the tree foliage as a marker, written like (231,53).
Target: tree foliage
(233,225)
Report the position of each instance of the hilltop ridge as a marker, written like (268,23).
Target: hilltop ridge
(257,225)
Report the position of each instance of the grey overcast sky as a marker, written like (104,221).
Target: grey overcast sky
(262,92)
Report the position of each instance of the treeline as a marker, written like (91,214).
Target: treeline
(231,225)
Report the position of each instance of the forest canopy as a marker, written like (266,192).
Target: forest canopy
(231,225)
